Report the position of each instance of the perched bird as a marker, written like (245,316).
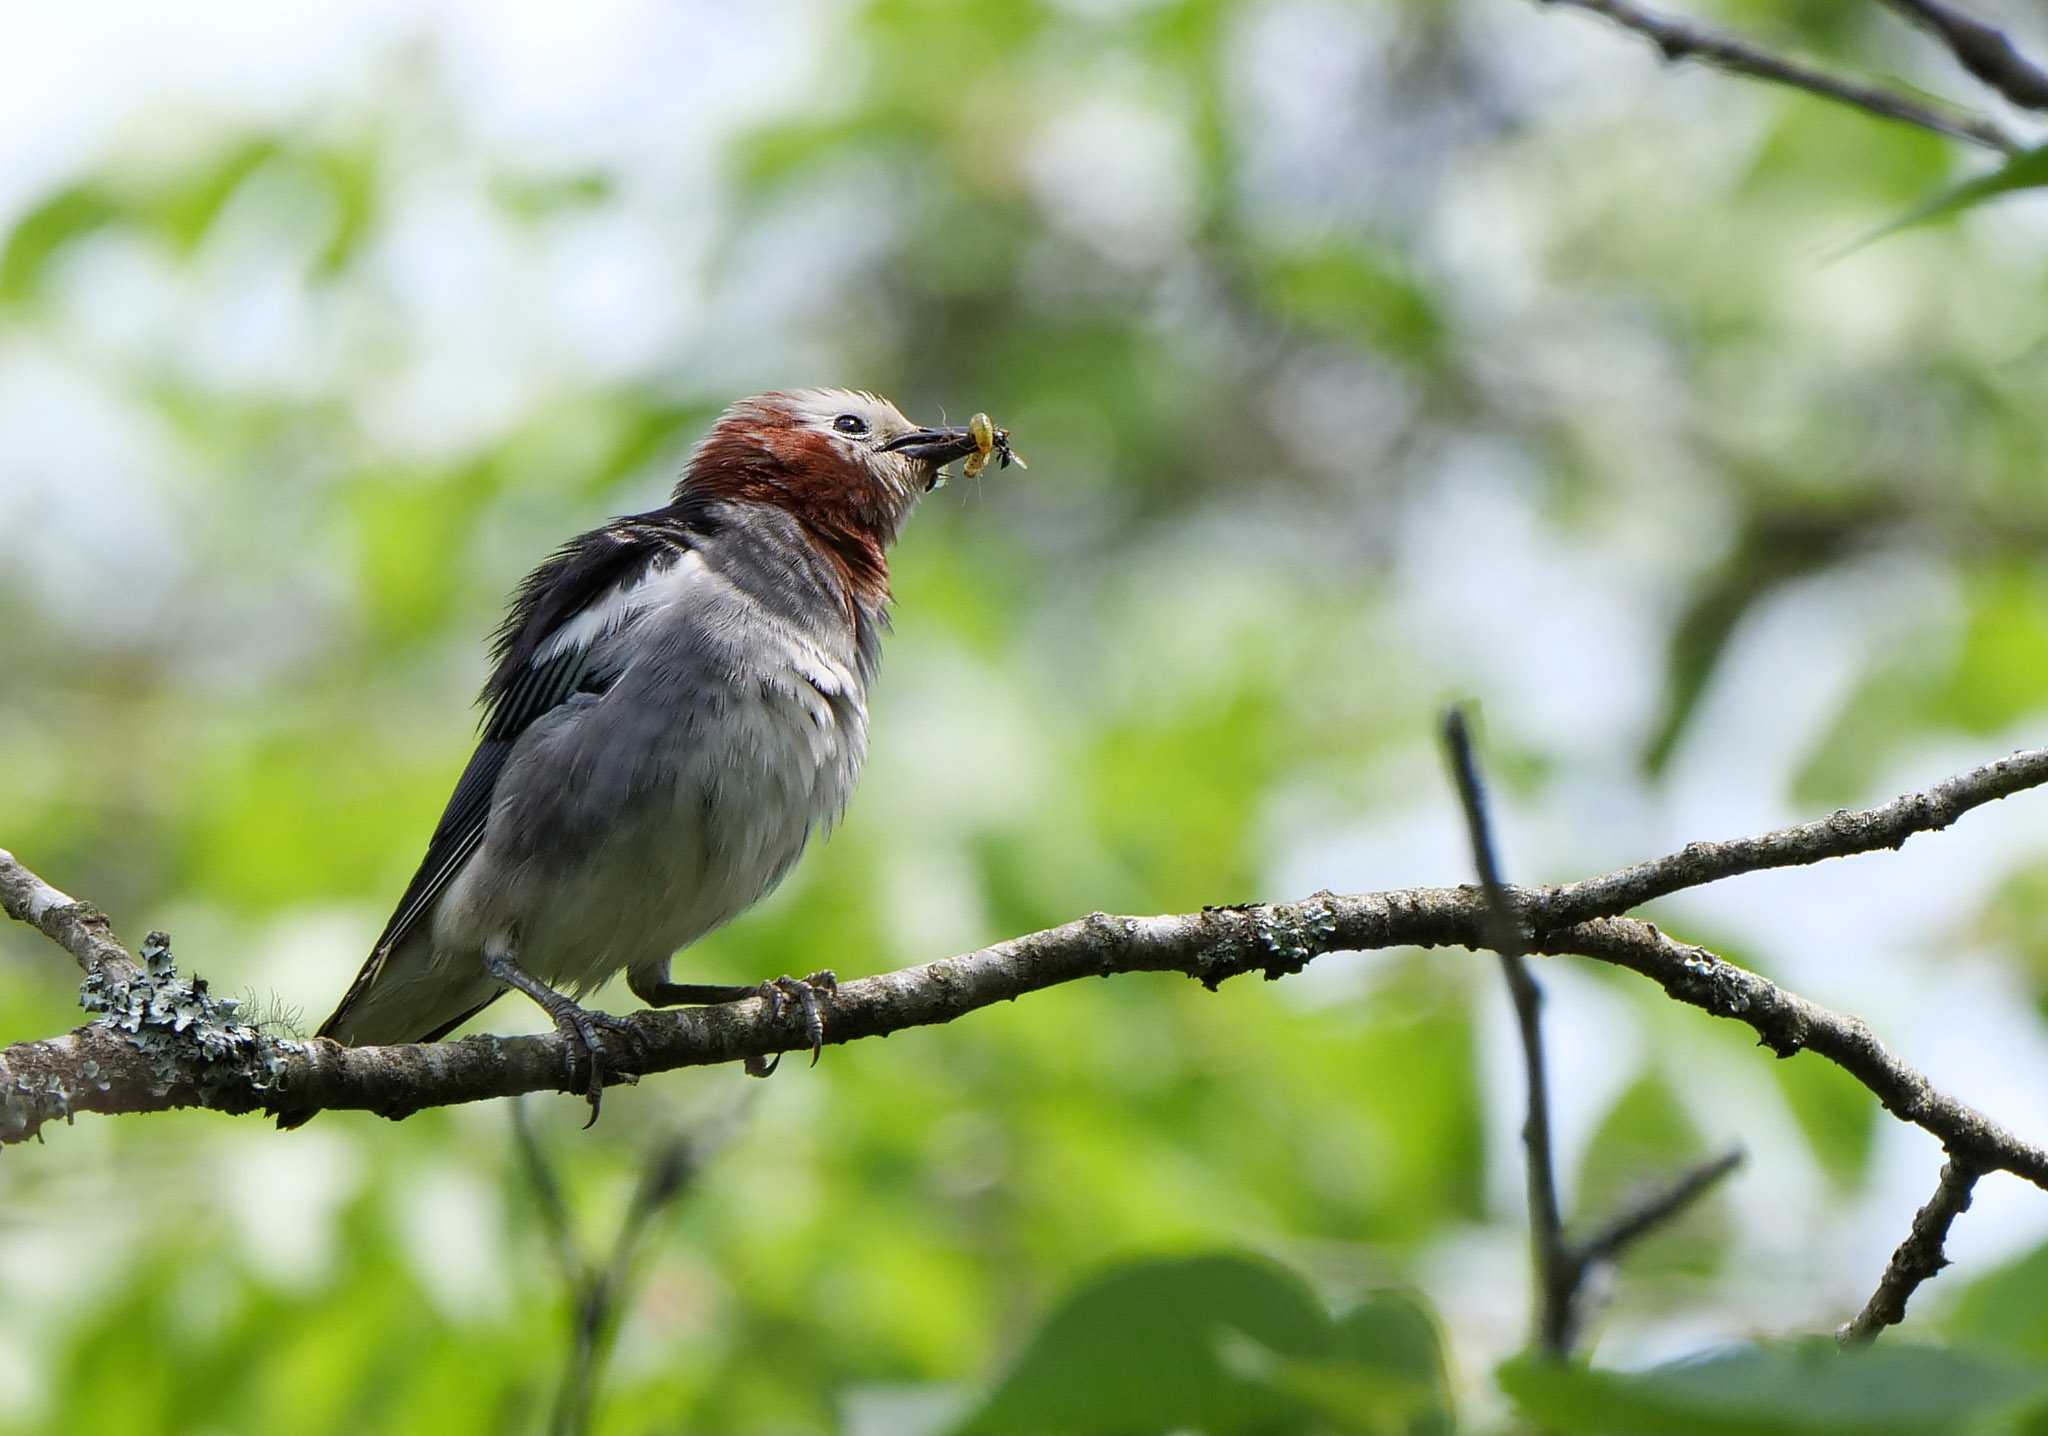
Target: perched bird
(679,700)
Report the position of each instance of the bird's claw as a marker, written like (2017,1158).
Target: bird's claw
(582,1028)
(577,1024)
(784,990)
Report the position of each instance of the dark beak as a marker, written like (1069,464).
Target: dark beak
(934,446)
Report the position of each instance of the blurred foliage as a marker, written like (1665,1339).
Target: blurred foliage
(1803,1389)
(1221,1344)
(1366,356)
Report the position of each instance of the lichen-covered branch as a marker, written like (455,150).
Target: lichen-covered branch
(1919,1257)
(1680,40)
(165,1042)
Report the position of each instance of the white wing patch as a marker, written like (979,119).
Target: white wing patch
(656,588)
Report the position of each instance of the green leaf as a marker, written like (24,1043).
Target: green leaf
(65,216)
(2022,171)
(1142,1348)
(2004,1311)
(1774,550)
(1391,1376)
(1645,1136)
(1808,1388)
(1992,676)
(351,180)
(1835,1111)
(186,208)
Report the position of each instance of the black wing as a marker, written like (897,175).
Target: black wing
(523,686)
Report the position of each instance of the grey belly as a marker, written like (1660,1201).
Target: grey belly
(617,840)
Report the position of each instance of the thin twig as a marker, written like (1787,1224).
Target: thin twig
(1557,1277)
(79,928)
(1840,835)
(547,1193)
(1504,928)
(597,1293)
(1919,1257)
(1984,50)
(1684,40)
(1562,1265)
(1654,1208)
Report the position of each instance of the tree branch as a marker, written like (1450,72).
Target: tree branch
(166,1043)
(1918,1259)
(1788,1024)
(1841,835)
(1981,49)
(1684,40)
(79,928)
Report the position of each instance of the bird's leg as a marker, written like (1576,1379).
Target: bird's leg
(780,992)
(688,994)
(578,1025)
(804,992)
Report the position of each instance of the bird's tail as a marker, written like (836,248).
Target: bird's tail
(401,995)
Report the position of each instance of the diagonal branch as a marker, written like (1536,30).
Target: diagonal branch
(1841,835)
(1919,1257)
(79,928)
(1685,40)
(1654,1208)
(1984,50)
(1788,1024)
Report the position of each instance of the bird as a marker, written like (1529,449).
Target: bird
(678,702)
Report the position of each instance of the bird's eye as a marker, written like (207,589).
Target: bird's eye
(850,424)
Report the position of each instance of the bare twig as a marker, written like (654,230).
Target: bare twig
(1504,928)
(1918,1259)
(1557,1270)
(1844,833)
(547,1194)
(1982,49)
(1686,40)
(1654,1208)
(1562,1265)
(79,928)
(597,1293)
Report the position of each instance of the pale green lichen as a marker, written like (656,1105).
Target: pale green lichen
(27,1102)
(1277,941)
(191,1037)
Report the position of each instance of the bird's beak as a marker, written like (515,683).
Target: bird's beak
(934,446)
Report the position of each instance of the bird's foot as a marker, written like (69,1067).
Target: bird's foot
(781,992)
(581,1030)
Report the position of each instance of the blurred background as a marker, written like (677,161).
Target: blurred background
(1368,356)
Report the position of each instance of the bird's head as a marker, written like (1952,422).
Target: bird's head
(845,464)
